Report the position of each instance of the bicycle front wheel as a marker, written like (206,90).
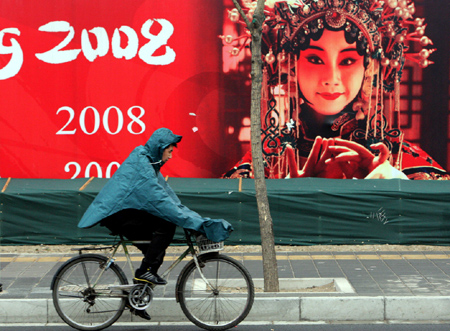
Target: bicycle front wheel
(220,296)
(82,293)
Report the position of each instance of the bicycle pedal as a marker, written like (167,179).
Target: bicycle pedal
(138,281)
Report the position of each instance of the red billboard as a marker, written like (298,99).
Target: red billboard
(84,82)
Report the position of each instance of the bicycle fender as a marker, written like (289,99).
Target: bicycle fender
(200,258)
(52,285)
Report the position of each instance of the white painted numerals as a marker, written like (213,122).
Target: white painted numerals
(93,169)
(59,54)
(134,115)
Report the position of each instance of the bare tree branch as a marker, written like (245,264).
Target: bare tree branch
(241,12)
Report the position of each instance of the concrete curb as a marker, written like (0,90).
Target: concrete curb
(267,309)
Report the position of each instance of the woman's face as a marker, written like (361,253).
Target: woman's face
(330,72)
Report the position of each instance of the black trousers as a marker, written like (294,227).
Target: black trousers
(140,225)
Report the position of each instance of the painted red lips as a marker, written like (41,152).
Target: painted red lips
(330,96)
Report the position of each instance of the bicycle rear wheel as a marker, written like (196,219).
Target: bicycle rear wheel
(224,301)
(82,295)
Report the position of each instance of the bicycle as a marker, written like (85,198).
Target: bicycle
(215,292)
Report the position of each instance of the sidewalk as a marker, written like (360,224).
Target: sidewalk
(336,286)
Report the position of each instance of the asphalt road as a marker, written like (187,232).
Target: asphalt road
(246,327)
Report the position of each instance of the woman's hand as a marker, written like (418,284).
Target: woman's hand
(338,158)
(355,160)
(315,165)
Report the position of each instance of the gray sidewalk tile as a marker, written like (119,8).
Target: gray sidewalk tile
(401,268)
(285,269)
(256,268)
(15,269)
(38,269)
(3,265)
(304,269)
(329,269)
(45,281)
(443,265)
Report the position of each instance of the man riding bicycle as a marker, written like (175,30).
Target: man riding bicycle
(138,204)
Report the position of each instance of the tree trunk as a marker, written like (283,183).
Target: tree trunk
(270,268)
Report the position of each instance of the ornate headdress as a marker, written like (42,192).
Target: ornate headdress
(381,29)
(383,25)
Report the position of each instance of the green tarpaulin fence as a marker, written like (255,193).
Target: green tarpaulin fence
(305,211)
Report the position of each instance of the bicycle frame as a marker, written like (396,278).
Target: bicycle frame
(123,243)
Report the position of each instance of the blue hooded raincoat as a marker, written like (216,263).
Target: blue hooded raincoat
(138,184)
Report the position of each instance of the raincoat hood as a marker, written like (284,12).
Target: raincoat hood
(158,142)
(138,184)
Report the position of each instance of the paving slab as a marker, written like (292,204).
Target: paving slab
(380,286)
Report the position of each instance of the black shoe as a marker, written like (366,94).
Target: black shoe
(141,313)
(149,277)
